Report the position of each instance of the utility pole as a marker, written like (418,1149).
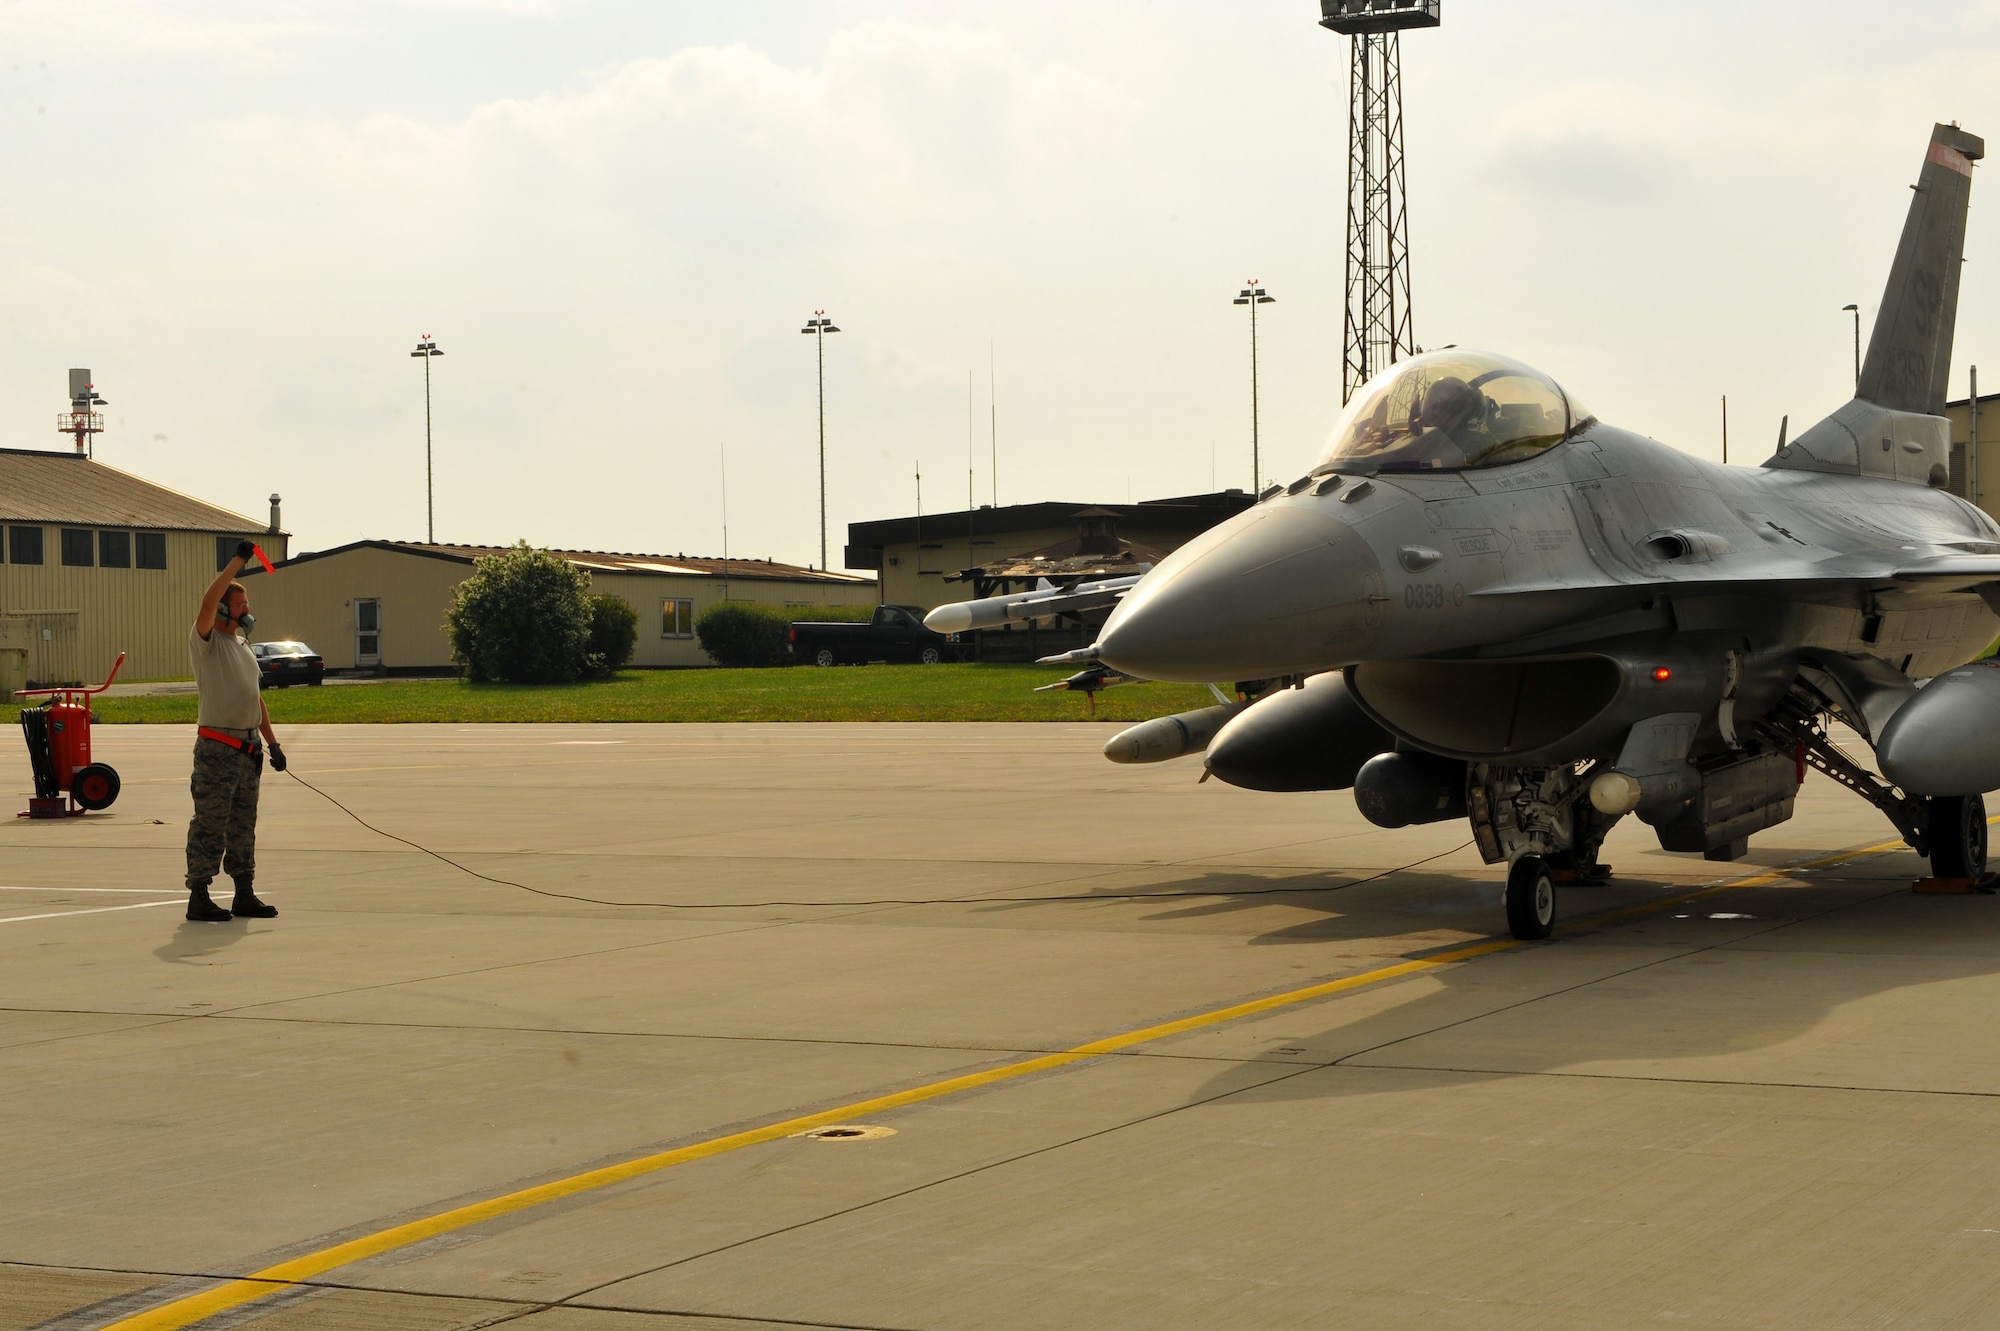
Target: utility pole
(819,326)
(425,350)
(1253,296)
(1725,429)
(1972,446)
(1855,310)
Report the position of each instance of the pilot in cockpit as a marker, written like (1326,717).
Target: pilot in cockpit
(1449,424)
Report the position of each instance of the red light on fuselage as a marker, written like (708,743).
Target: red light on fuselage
(1662,674)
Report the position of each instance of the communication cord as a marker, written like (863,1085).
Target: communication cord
(883,901)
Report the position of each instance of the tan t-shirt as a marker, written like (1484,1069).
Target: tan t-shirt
(225,674)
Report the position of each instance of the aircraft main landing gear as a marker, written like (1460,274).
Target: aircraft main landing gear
(1531,898)
(1957,835)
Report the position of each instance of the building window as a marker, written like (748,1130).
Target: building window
(114,549)
(78,547)
(151,549)
(225,550)
(676,619)
(24,545)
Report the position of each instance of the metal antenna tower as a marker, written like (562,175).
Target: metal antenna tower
(1378,331)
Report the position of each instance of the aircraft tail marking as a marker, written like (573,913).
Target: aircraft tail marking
(1909,353)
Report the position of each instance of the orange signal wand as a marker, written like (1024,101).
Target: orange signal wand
(263,559)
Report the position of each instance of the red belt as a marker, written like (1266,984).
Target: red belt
(221,737)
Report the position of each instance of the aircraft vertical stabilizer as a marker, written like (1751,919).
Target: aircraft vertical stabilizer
(1909,353)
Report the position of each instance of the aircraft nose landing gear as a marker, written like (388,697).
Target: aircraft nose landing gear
(1531,898)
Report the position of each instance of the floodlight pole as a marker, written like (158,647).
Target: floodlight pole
(1378,331)
(819,326)
(1253,296)
(425,350)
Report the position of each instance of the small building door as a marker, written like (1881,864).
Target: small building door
(368,632)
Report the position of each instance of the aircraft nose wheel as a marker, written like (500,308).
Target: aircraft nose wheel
(1531,898)
(1958,836)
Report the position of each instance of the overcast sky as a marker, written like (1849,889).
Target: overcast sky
(614,217)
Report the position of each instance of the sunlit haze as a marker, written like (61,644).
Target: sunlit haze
(614,218)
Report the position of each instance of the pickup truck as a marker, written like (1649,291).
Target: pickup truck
(896,633)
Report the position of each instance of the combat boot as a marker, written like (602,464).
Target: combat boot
(246,903)
(202,908)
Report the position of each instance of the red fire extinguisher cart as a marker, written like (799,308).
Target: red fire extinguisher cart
(67,782)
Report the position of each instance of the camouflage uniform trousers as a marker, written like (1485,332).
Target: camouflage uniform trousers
(225,812)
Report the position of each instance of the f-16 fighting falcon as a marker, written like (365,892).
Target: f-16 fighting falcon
(1486,603)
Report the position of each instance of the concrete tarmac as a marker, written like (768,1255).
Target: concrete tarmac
(1149,1054)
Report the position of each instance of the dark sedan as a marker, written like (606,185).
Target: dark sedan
(282,663)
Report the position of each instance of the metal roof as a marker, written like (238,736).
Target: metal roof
(608,561)
(58,488)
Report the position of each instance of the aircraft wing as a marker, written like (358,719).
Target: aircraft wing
(1961,570)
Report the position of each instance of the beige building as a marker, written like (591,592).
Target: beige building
(380,605)
(98,562)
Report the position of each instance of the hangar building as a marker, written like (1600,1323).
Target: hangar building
(98,562)
(379,605)
(935,558)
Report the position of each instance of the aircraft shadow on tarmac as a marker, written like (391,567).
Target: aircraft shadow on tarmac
(1662,993)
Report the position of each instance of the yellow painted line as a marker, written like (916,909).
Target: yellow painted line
(185,1312)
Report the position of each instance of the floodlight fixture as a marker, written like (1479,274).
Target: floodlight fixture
(1366,17)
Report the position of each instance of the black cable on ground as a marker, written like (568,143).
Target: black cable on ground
(885,901)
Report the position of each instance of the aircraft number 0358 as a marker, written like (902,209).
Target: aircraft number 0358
(1423,596)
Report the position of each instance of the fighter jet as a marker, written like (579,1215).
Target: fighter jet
(1486,603)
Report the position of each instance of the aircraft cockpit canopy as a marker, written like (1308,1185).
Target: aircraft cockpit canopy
(1451,410)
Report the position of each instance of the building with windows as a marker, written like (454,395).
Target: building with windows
(380,605)
(98,561)
(1986,425)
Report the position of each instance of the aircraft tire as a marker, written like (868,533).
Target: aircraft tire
(1531,899)
(1958,835)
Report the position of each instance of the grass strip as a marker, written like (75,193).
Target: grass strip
(955,692)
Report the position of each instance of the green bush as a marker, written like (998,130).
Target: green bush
(614,633)
(523,617)
(739,635)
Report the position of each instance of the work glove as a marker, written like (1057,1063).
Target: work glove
(245,551)
(277,756)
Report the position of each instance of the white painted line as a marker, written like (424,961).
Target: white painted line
(143,891)
(96,910)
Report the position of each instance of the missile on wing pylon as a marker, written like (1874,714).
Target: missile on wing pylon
(1166,737)
(1038,603)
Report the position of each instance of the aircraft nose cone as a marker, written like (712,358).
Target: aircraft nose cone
(1278,590)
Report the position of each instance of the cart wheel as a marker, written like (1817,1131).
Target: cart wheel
(94,787)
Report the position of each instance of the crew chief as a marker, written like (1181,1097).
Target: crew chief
(232,733)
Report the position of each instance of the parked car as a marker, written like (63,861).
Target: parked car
(896,633)
(282,663)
